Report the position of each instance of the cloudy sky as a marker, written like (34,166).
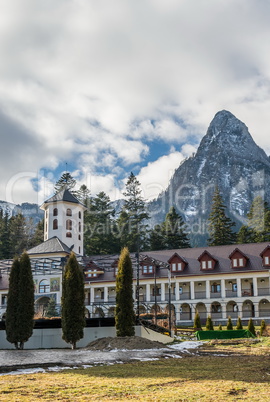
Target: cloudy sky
(110,87)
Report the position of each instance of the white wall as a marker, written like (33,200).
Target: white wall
(51,338)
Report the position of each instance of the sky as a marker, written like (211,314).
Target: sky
(103,88)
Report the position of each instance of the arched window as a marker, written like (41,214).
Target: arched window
(80,227)
(80,214)
(68,234)
(55,212)
(44,286)
(69,212)
(55,224)
(69,224)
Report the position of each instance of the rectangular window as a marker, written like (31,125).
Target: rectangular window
(179,266)
(234,287)
(241,262)
(209,265)
(235,262)
(173,267)
(203,264)
(266,260)
(180,290)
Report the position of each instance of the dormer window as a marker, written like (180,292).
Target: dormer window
(147,269)
(207,261)
(238,259)
(92,273)
(207,264)
(93,270)
(266,260)
(266,257)
(177,263)
(115,267)
(176,266)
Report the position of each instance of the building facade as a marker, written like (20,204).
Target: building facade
(220,281)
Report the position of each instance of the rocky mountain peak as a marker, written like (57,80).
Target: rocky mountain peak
(229,136)
(227,157)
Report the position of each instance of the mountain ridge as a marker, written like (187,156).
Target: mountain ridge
(227,157)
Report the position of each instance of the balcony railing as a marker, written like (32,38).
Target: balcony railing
(247,314)
(200,295)
(215,295)
(185,296)
(263,292)
(155,298)
(215,316)
(167,296)
(231,293)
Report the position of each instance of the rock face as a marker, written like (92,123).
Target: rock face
(227,157)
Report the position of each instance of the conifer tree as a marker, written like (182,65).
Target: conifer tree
(245,235)
(26,299)
(18,236)
(239,324)
(251,327)
(51,310)
(65,181)
(174,231)
(156,239)
(20,308)
(209,324)
(220,226)
(99,235)
(259,220)
(12,319)
(229,324)
(136,212)
(263,328)
(197,321)
(72,301)
(5,251)
(124,311)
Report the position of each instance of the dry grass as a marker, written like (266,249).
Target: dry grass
(241,377)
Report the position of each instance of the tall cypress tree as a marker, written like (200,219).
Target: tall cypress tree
(26,309)
(220,226)
(20,304)
(73,315)
(12,318)
(124,311)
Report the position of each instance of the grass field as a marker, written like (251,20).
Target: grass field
(242,375)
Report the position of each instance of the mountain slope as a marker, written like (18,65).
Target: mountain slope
(228,157)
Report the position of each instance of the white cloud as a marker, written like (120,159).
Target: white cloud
(154,177)
(93,82)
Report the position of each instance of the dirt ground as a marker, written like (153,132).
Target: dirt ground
(124,343)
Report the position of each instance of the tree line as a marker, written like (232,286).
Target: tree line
(107,231)
(17,234)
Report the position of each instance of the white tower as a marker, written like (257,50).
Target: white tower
(63,218)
